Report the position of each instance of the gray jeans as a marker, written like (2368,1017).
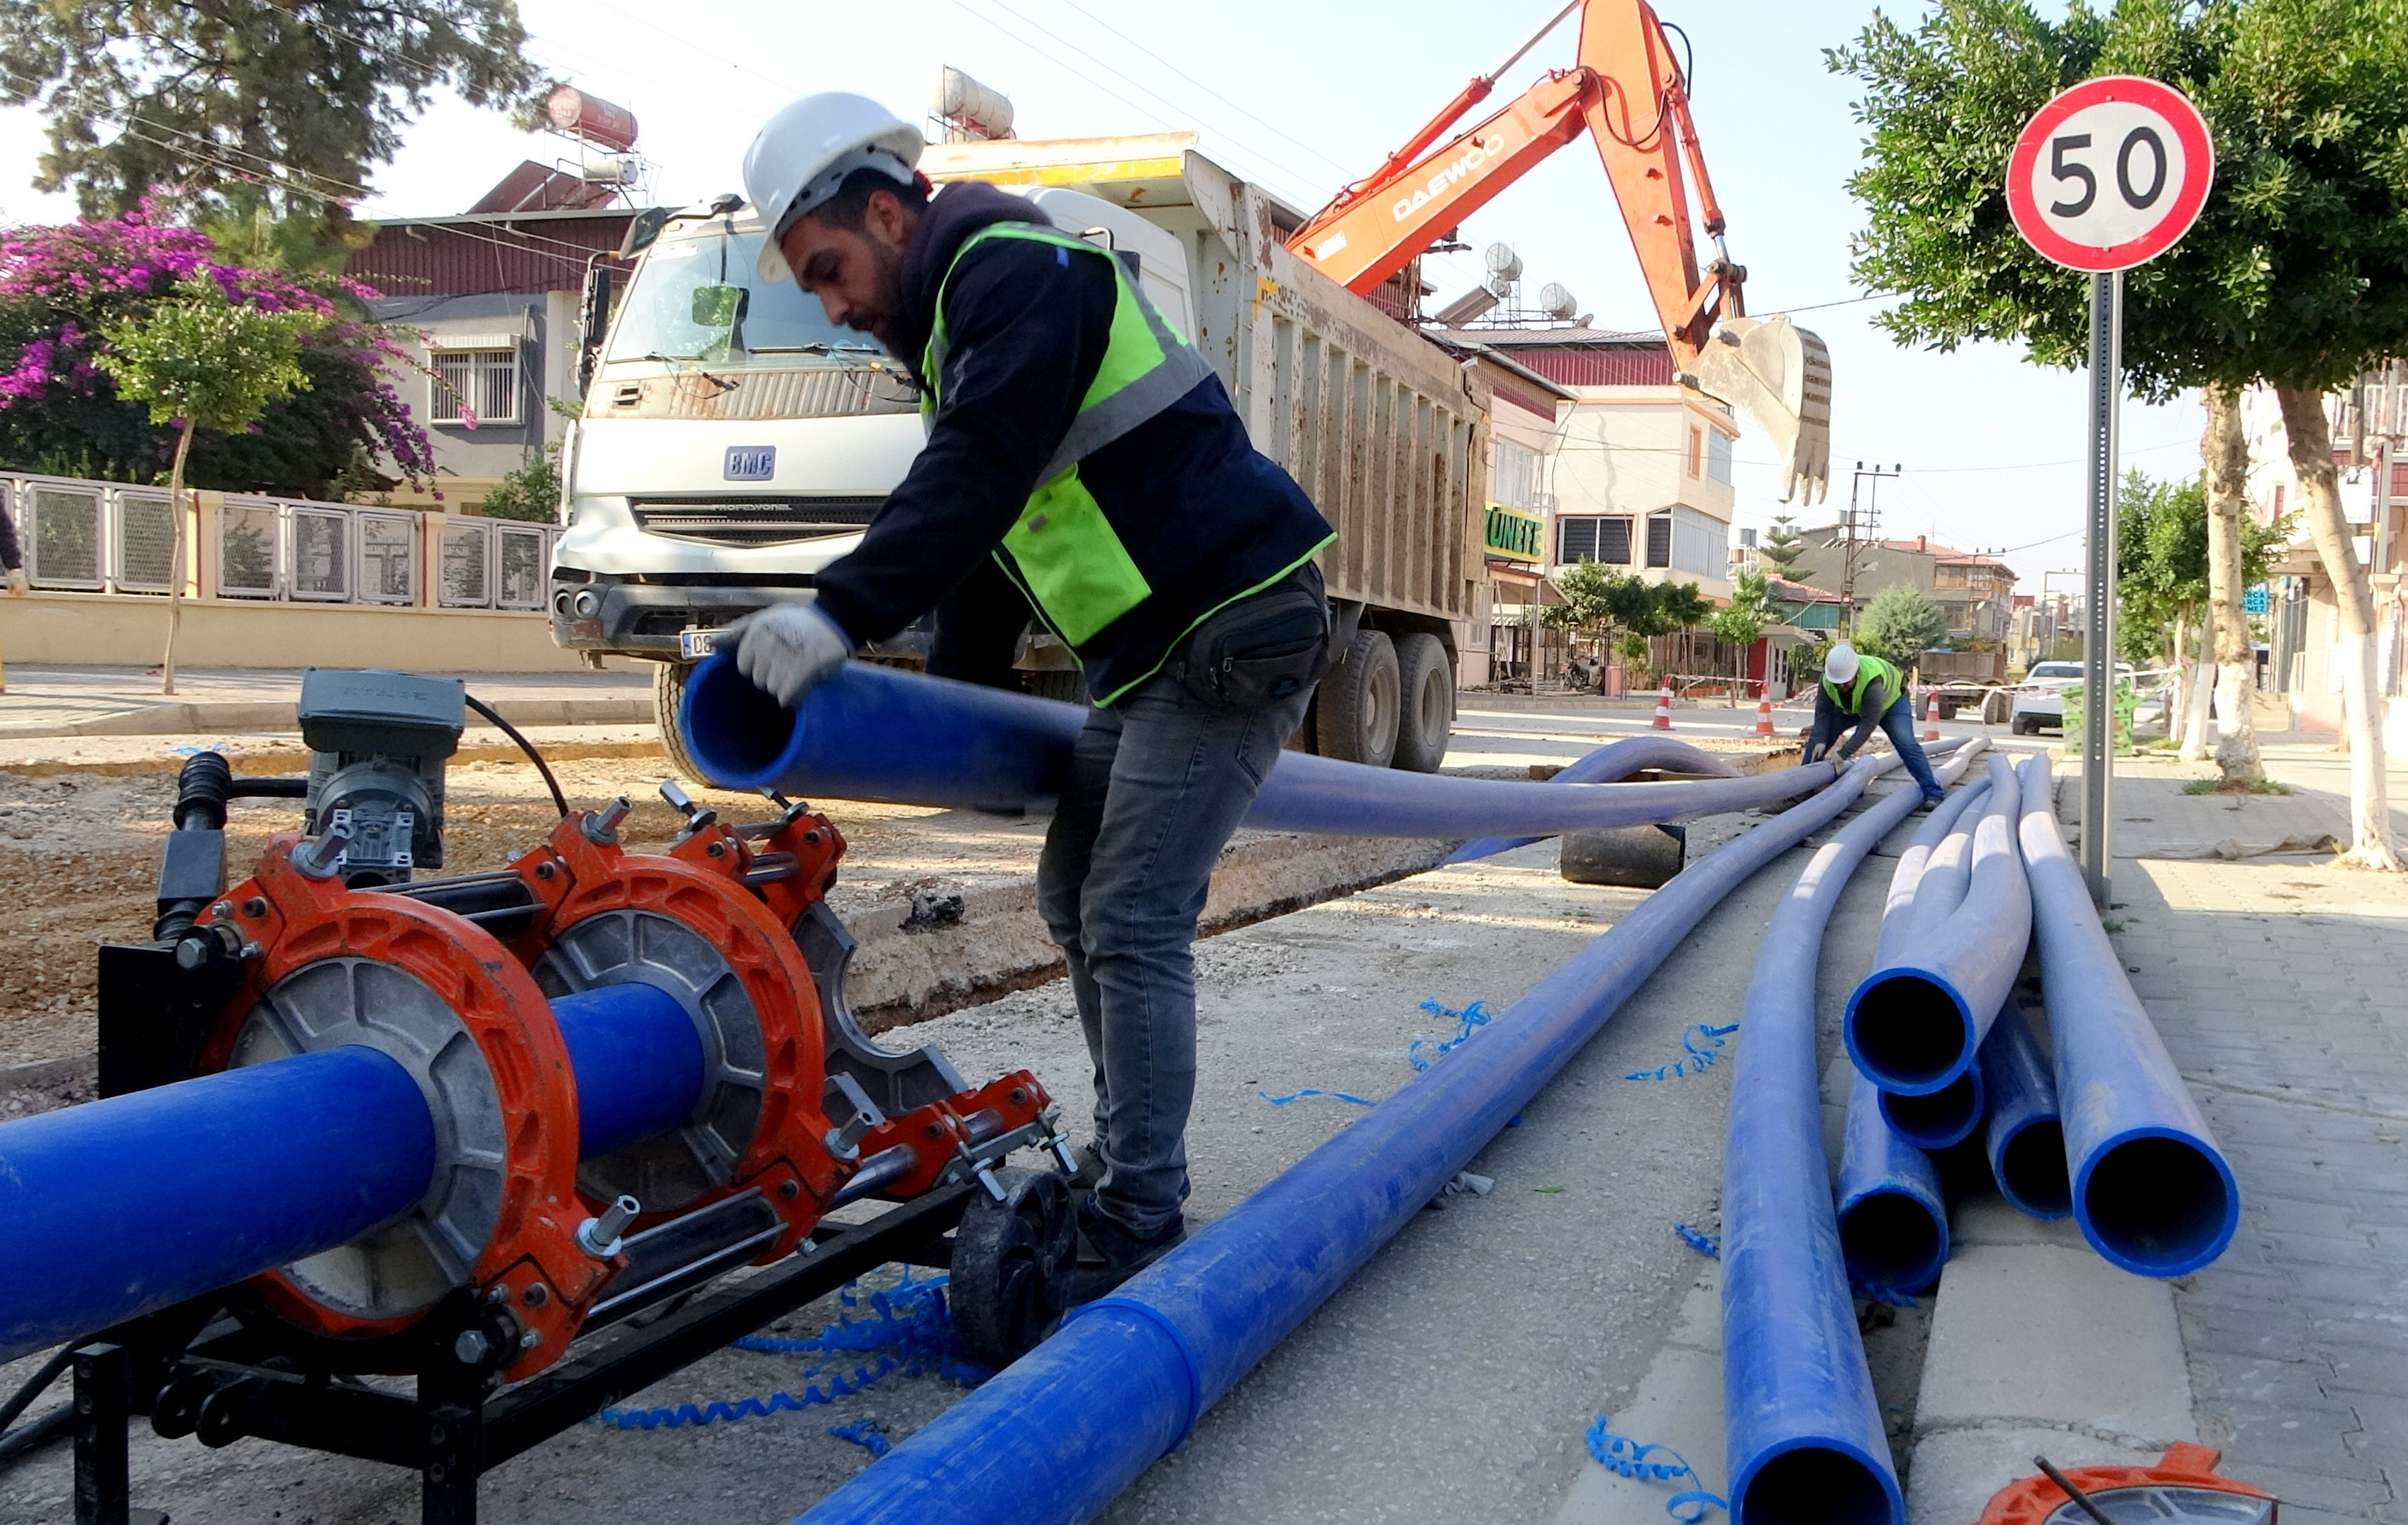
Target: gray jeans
(1157,783)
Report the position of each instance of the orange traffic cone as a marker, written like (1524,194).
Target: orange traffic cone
(1764,715)
(1663,721)
(1931,718)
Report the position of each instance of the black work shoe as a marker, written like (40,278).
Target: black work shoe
(1110,1254)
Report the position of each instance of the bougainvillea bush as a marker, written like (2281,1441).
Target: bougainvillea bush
(59,411)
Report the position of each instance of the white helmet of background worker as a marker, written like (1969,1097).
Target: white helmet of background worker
(1840,668)
(803,153)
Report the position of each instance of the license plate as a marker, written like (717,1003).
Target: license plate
(694,645)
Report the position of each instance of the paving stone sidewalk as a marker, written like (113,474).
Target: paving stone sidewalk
(2277,984)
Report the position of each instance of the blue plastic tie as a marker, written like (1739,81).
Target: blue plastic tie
(867,1433)
(1709,1246)
(1695,1059)
(1628,1458)
(1335,1096)
(1473,1016)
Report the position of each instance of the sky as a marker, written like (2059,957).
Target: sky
(1304,94)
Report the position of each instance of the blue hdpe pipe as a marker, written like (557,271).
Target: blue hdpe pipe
(1607,765)
(2023,1139)
(1056,1435)
(2151,1189)
(129,1205)
(1893,1220)
(902,738)
(1799,1417)
(1917,1021)
(1942,1118)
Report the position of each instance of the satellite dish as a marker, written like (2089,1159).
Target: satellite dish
(1557,302)
(1502,261)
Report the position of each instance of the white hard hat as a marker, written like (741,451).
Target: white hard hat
(1840,666)
(803,153)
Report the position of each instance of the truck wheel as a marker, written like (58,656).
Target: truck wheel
(1426,717)
(668,698)
(1358,702)
(2020,725)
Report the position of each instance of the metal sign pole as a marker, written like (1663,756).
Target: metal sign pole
(2098,635)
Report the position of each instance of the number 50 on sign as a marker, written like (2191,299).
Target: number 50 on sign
(2110,173)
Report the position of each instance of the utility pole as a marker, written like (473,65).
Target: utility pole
(1854,532)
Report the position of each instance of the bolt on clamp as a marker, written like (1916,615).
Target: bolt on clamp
(602,1237)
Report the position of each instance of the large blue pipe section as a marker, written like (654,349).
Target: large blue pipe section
(2024,1138)
(1607,765)
(1893,1220)
(1918,1022)
(1056,1434)
(130,1205)
(876,733)
(1802,1426)
(2151,1190)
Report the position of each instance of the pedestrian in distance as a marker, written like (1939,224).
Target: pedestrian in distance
(1084,459)
(1864,692)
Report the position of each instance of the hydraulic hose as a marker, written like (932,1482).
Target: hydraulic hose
(2024,1138)
(1056,1434)
(1800,1417)
(1609,764)
(880,734)
(132,1203)
(1918,1022)
(1893,1222)
(2151,1190)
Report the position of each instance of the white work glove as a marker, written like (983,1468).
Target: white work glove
(19,584)
(789,649)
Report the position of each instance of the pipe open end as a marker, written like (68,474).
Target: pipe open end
(1892,1240)
(735,733)
(1816,1485)
(2157,1204)
(1908,1032)
(2032,1170)
(1939,1118)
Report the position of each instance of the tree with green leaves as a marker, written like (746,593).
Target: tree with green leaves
(2163,581)
(1782,545)
(1741,623)
(235,109)
(1901,624)
(2291,276)
(203,361)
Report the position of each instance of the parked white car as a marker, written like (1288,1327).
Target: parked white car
(2039,701)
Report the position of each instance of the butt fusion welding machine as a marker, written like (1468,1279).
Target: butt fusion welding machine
(494,1289)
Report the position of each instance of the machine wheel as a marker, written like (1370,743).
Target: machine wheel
(1426,684)
(1067,685)
(668,698)
(2020,725)
(1012,1266)
(1359,709)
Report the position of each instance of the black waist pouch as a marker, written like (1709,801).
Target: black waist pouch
(1262,649)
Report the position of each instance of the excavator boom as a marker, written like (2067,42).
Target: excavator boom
(1630,98)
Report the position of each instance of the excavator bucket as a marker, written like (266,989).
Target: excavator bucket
(1778,375)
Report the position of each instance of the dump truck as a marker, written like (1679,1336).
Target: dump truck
(732,442)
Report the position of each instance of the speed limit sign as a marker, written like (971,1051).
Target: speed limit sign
(2110,173)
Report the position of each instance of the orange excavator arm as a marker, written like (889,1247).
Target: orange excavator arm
(1631,98)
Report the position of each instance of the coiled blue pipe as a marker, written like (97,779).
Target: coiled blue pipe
(2151,1189)
(2024,1138)
(1799,1417)
(1060,1432)
(876,733)
(1918,1022)
(1893,1220)
(1607,764)
(123,1206)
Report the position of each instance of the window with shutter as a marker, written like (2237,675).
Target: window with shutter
(485,382)
(1659,540)
(1594,538)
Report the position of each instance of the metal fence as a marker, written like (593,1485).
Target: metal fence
(100,536)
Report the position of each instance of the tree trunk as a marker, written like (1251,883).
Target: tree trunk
(2225,451)
(2202,689)
(175,556)
(2370,808)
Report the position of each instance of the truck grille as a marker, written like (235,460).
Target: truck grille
(755,521)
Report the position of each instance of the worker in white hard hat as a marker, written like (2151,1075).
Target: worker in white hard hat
(1084,463)
(1862,690)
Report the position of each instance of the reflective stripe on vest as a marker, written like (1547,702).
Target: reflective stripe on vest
(1063,550)
(1868,669)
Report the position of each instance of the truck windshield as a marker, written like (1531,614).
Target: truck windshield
(697,299)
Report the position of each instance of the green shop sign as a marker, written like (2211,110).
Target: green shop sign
(1515,534)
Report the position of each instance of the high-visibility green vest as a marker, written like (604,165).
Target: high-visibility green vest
(1868,669)
(1063,550)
